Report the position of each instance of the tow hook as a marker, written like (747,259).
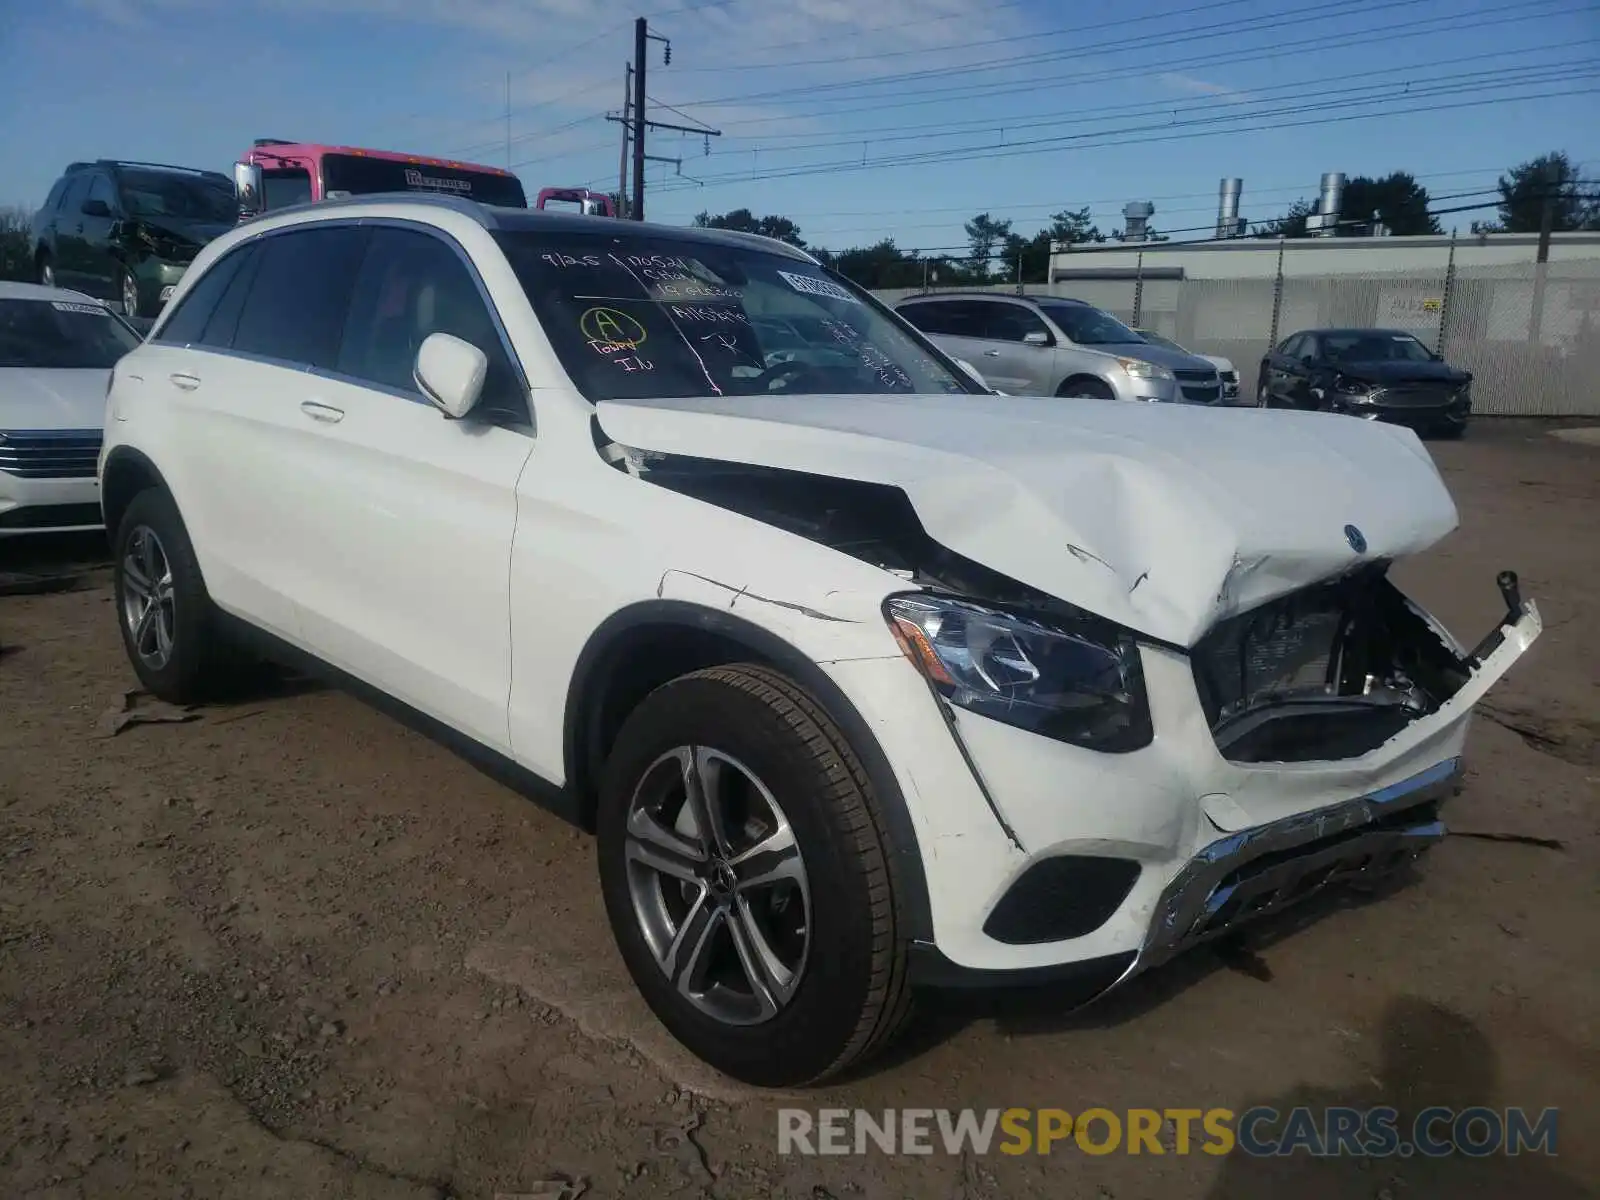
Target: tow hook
(1511,593)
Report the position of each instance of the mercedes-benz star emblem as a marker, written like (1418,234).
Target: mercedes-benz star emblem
(1357,540)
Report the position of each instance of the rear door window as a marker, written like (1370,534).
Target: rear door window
(296,307)
(952,318)
(1009,322)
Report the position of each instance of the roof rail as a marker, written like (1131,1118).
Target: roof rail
(483,214)
(130,162)
(273,142)
(76,166)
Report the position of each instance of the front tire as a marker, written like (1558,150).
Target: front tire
(46,271)
(1086,387)
(168,624)
(1263,395)
(747,878)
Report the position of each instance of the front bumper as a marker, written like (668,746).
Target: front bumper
(157,279)
(48,481)
(1445,413)
(48,505)
(1212,844)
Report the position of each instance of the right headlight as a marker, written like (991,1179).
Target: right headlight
(1075,681)
(1139,369)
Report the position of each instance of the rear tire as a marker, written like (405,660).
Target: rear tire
(831,999)
(1086,387)
(168,623)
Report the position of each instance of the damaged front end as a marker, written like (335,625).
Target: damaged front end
(1329,672)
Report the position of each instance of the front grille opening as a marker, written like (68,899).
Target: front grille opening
(1329,672)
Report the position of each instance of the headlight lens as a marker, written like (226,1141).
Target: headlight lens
(1139,369)
(1077,682)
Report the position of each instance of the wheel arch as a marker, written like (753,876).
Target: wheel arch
(127,473)
(642,646)
(1084,377)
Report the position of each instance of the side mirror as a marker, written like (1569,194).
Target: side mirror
(973,372)
(1036,337)
(247,188)
(1309,360)
(96,208)
(450,373)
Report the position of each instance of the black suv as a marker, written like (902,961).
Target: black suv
(126,231)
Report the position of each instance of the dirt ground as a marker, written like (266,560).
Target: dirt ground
(291,949)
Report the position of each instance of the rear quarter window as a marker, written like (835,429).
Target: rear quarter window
(188,320)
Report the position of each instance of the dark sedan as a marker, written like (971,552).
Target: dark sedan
(1378,374)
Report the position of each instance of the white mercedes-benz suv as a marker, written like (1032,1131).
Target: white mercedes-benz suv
(865,678)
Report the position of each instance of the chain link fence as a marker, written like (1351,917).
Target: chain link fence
(1528,332)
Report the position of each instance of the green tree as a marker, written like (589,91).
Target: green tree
(743,220)
(1400,202)
(1291,225)
(16,231)
(1523,191)
(883,265)
(1073,227)
(985,235)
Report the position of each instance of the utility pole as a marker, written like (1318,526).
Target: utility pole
(641,36)
(622,170)
(508,120)
(1541,258)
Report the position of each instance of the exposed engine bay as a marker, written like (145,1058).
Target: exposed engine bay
(1328,672)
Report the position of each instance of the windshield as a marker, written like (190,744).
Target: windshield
(61,334)
(635,316)
(366,176)
(283,187)
(1089,326)
(1374,347)
(182,197)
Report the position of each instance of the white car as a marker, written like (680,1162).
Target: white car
(866,678)
(57,348)
(1226,371)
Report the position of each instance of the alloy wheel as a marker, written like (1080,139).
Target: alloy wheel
(47,273)
(1262,397)
(718,885)
(148,608)
(130,296)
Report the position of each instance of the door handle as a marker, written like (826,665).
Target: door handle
(991,354)
(185,380)
(322,412)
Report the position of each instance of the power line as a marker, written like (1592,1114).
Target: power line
(1240,96)
(945,48)
(1241,105)
(981,153)
(1012,62)
(1277,48)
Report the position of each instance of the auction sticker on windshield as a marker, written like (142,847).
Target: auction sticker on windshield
(93,310)
(817,287)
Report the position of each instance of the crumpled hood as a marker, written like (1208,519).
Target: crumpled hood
(1164,518)
(36,398)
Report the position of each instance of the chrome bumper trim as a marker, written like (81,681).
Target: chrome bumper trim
(1228,884)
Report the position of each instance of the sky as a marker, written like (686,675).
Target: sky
(859,121)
